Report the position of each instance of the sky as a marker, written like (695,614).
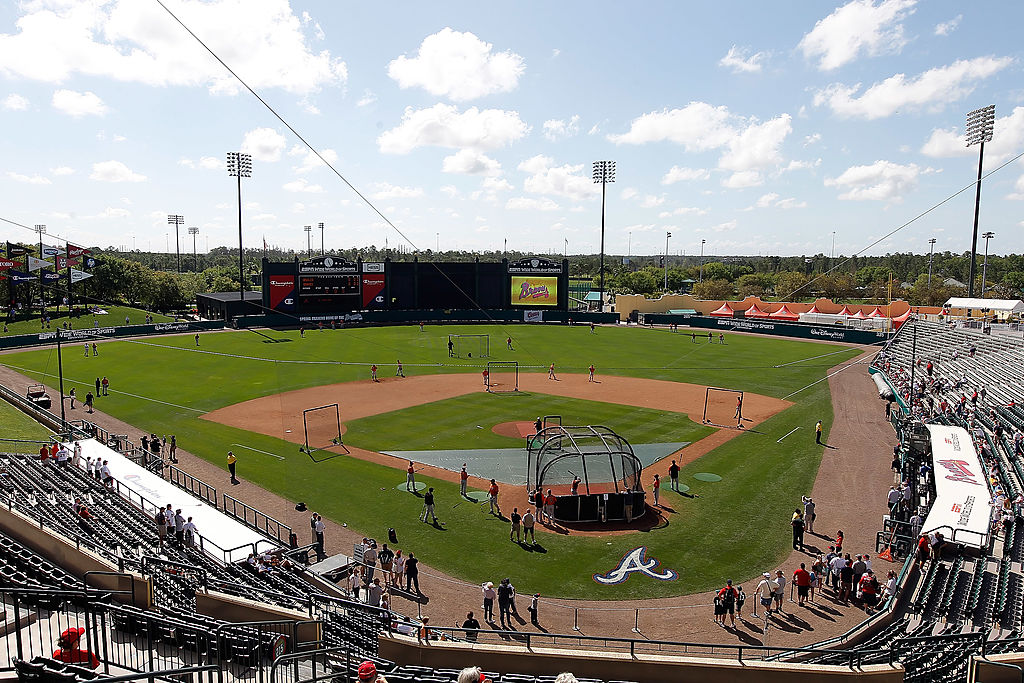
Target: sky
(757,127)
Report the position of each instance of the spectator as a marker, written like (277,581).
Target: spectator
(367,673)
(567,677)
(780,589)
(68,650)
(355,581)
(890,584)
(504,603)
(472,674)
(764,594)
(190,533)
(489,596)
(802,579)
(869,589)
(727,603)
(179,527)
(412,573)
(374,593)
(846,581)
(798,530)
(472,626)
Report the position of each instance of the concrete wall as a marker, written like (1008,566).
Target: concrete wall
(620,666)
(236,609)
(987,672)
(76,561)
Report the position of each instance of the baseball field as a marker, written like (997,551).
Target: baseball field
(245,391)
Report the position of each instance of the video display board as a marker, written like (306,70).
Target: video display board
(533,291)
(328,282)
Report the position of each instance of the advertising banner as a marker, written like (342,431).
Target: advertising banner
(14,250)
(373,289)
(50,276)
(962,500)
(282,292)
(77,251)
(533,316)
(18,276)
(5,264)
(534,291)
(35,264)
(78,276)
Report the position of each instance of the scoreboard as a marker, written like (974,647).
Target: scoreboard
(328,283)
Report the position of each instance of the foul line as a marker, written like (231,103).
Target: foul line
(787,434)
(272,455)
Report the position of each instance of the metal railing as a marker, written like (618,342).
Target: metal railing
(252,517)
(197,487)
(638,647)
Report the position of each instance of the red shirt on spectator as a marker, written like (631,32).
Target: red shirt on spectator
(802,577)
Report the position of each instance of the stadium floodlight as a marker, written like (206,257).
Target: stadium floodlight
(240,166)
(980,126)
(701,276)
(321,226)
(931,254)
(309,245)
(984,266)
(604,173)
(195,259)
(41,229)
(667,235)
(176,220)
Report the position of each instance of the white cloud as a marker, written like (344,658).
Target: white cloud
(15,102)
(795,165)
(443,126)
(458,66)
(562,181)
(728,226)
(471,162)
(758,145)
(934,88)
(790,203)
(264,144)
(490,188)
(557,129)
(947,27)
(298,207)
(114,212)
(1018,189)
(450,191)
(858,27)
(30,179)
(530,203)
(1007,139)
(311,161)
(682,211)
(766,200)
(389,191)
(649,201)
(698,127)
(555,52)
(738,60)
(302,185)
(78,104)
(62,170)
(811,139)
(680,173)
(208,163)
(114,172)
(771,200)
(880,181)
(741,179)
(630,192)
(136,42)
(367,99)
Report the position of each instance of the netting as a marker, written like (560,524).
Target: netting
(503,376)
(322,426)
(723,407)
(602,459)
(469,345)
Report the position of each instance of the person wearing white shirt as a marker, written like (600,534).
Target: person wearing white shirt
(190,532)
(319,529)
(894,497)
(780,589)
(838,562)
(764,592)
(76,458)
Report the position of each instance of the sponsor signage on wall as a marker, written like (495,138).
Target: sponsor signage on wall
(535,265)
(373,288)
(282,292)
(534,291)
(962,506)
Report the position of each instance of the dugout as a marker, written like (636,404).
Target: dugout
(609,473)
(227,305)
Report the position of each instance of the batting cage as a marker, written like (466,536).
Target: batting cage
(609,473)
(469,345)
(502,376)
(723,407)
(322,429)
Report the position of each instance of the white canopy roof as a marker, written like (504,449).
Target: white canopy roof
(1010,305)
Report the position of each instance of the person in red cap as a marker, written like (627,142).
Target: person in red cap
(368,672)
(68,651)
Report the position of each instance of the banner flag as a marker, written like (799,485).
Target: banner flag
(18,276)
(77,251)
(7,263)
(15,250)
(35,264)
(78,276)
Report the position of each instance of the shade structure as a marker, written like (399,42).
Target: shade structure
(784,314)
(755,312)
(859,315)
(724,311)
(900,319)
(813,309)
(877,313)
(846,311)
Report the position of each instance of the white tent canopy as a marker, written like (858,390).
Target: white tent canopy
(1001,305)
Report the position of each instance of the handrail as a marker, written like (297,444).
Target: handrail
(268,521)
(287,659)
(174,674)
(194,485)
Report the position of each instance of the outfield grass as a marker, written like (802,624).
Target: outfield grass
(18,432)
(115,316)
(443,425)
(735,528)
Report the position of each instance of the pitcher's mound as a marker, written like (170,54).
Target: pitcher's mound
(516,430)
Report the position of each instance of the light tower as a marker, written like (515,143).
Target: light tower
(195,259)
(604,173)
(176,220)
(240,166)
(980,124)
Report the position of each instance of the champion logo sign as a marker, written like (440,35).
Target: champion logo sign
(635,562)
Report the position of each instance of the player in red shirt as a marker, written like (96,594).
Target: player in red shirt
(591,368)
(373,372)
(486,374)
(492,493)
(463,480)
(727,599)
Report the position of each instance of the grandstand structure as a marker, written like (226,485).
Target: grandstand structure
(194,610)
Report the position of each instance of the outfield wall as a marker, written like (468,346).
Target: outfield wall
(90,334)
(760,326)
(370,318)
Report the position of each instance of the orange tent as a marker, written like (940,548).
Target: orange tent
(784,314)
(755,312)
(724,311)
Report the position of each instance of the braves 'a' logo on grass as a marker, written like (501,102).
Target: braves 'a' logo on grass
(632,562)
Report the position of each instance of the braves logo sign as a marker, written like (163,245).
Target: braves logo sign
(635,561)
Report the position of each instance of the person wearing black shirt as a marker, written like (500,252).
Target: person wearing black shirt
(513,534)
(504,602)
(428,505)
(673,475)
(412,573)
(473,625)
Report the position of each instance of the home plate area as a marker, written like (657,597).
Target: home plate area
(508,465)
